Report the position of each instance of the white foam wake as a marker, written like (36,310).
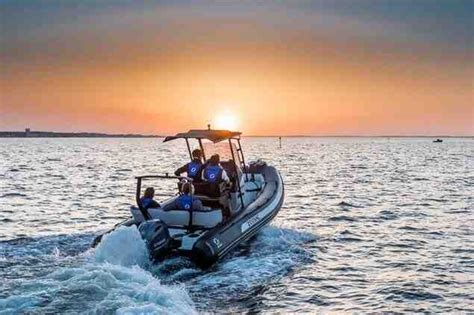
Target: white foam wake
(113,278)
(124,247)
(236,281)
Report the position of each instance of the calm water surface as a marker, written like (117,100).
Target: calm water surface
(368,224)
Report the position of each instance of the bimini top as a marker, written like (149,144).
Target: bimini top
(209,134)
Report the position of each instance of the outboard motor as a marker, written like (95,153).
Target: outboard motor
(157,237)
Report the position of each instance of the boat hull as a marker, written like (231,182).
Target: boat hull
(213,244)
(218,242)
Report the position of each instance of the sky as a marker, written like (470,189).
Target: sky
(341,67)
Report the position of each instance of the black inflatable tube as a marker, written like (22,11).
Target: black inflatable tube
(222,239)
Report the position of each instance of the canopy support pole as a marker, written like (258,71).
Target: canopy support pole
(237,175)
(202,149)
(189,149)
(244,166)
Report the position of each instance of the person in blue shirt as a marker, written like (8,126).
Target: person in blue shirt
(194,168)
(147,199)
(187,201)
(213,172)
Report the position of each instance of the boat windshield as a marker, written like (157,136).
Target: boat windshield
(223,149)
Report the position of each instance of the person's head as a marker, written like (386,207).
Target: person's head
(197,154)
(188,188)
(149,192)
(215,159)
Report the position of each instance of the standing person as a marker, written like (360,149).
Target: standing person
(194,168)
(216,176)
(213,172)
(147,199)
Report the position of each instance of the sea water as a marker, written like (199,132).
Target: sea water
(368,224)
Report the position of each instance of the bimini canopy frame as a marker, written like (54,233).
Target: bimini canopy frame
(215,136)
(209,134)
(212,135)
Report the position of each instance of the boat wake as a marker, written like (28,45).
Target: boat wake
(124,247)
(117,276)
(240,280)
(111,278)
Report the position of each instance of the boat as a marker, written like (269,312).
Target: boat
(438,140)
(251,201)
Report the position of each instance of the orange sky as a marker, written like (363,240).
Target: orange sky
(279,70)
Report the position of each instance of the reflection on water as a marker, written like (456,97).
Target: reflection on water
(368,224)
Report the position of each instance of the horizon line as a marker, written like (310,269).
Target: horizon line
(250,136)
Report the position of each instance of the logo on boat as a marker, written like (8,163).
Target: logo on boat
(249,223)
(217,242)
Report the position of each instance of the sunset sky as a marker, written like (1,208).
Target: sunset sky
(265,67)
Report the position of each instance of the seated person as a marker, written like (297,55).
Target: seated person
(213,172)
(147,199)
(187,201)
(194,168)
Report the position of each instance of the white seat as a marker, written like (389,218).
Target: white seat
(207,219)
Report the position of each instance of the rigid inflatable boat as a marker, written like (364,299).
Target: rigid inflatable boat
(251,200)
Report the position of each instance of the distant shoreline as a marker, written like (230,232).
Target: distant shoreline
(52,134)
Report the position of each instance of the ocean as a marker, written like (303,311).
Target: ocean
(368,225)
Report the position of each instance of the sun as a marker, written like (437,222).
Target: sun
(226,120)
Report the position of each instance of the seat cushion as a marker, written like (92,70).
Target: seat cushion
(206,218)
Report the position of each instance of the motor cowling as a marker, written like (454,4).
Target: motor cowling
(157,237)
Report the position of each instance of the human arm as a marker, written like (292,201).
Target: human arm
(225,177)
(154,204)
(181,170)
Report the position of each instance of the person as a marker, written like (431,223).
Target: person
(147,199)
(194,168)
(187,201)
(214,175)
(213,172)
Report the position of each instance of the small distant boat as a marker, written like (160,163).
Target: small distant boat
(438,140)
(254,199)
